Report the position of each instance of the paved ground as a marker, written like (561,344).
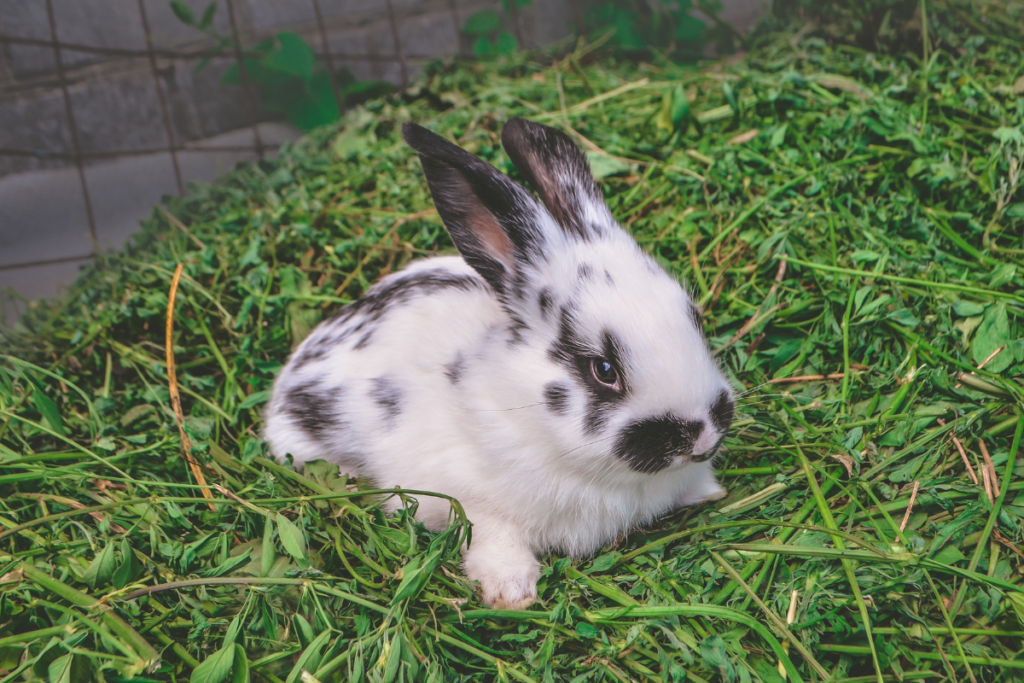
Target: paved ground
(42,214)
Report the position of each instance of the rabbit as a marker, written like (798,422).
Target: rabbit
(554,379)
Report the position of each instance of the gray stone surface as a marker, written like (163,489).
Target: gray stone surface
(36,123)
(121,114)
(428,34)
(109,23)
(97,23)
(42,214)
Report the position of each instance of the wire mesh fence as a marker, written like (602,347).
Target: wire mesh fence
(73,144)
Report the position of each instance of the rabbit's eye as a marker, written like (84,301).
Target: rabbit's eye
(605,373)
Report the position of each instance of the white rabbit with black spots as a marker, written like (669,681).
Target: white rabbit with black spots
(554,379)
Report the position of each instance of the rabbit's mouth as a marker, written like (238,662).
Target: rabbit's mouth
(710,453)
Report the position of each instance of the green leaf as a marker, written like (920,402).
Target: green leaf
(482,47)
(257,398)
(864,256)
(482,23)
(394,658)
(778,136)
(966,309)
(860,296)
(664,120)
(208,15)
(1017,601)
(415,575)
(303,630)
(993,332)
(295,57)
(587,631)
(716,658)
(229,565)
(688,29)
(234,628)
(216,667)
(905,317)
(766,671)
(293,540)
(309,660)
(48,409)
(949,555)
(604,562)
(240,667)
(1002,275)
(317,106)
(603,165)
(129,567)
(59,670)
(269,551)
(730,97)
(506,44)
(101,568)
(917,165)
(183,12)
(680,107)
(1007,135)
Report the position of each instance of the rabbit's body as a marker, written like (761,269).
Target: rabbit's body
(476,378)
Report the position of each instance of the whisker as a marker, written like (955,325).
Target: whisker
(501,410)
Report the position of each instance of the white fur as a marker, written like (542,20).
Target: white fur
(529,478)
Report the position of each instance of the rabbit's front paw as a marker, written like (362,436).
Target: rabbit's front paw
(507,574)
(701,488)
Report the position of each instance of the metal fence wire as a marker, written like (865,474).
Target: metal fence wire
(158,57)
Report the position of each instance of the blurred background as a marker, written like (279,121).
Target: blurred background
(108,105)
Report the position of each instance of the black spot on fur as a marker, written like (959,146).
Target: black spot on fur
(585,272)
(608,278)
(695,316)
(388,396)
(516,329)
(575,354)
(454,370)
(722,412)
(520,284)
(544,301)
(649,445)
(363,316)
(316,409)
(308,354)
(556,397)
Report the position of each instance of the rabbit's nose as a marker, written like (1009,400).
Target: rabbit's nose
(651,444)
(705,446)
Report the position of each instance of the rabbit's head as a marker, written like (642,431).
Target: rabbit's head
(604,344)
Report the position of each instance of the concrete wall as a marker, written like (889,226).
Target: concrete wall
(114,99)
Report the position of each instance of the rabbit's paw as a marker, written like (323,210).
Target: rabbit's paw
(507,574)
(702,488)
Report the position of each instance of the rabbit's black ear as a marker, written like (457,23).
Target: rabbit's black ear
(492,220)
(559,172)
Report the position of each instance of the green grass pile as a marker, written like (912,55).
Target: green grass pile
(849,214)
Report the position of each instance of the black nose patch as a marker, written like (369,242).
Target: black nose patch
(649,445)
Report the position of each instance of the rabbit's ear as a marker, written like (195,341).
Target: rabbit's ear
(492,220)
(557,169)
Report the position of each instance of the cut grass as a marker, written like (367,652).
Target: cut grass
(888,185)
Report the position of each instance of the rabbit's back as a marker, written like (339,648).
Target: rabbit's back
(385,364)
